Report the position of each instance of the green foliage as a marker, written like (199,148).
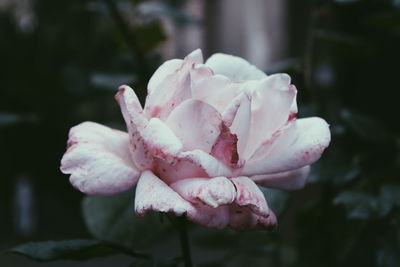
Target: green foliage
(112,218)
(70,250)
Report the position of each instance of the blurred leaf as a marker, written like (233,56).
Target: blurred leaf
(69,249)
(111,81)
(389,196)
(277,199)
(159,9)
(112,218)
(338,39)
(358,205)
(149,35)
(345,168)
(388,258)
(156,263)
(9,119)
(364,126)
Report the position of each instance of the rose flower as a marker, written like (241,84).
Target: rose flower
(208,134)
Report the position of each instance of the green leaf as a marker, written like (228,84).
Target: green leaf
(70,250)
(112,218)
(389,196)
(363,125)
(149,35)
(358,205)
(277,199)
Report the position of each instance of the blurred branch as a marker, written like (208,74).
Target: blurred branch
(129,37)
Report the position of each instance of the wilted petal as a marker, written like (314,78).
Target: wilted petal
(235,68)
(301,143)
(98,160)
(136,122)
(270,108)
(249,195)
(213,192)
(268,223)
(242,218)
(225,148)
(154,194)
(208,216)
(196,124)
(289,180)
(238,117)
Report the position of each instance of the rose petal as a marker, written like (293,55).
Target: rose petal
(238,117)
(242,218)
(270,108)
(172,89)
(196,124)
(289,180)
(161,140)
(235,68)
(213,192)
(249,195)
(301,143)
(154,194)
(217,90)
(98,160)
(225,148)
(136,122)
(209,217)
(191,164)
(268,223)
(166,69)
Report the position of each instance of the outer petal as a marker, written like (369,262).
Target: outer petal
(289,180)
(269,223)
(213,192)
(242,218)
(196,124)
(235,68)
(154,194)
(135,122)
(98,160)
(166,69)
(249,195)
(300,144)
(270,108)
(208,216)
(172,89)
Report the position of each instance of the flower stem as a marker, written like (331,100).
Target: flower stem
(185,246)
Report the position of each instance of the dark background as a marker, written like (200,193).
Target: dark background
(61,62)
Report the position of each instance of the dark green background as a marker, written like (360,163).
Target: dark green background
(344,58)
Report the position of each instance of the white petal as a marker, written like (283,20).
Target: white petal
(301,143)
(98,160)
(289,180)
(154,194)
(235,68)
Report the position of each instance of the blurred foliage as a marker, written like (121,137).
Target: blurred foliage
(62,65)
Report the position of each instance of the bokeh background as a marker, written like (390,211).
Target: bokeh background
(61,62)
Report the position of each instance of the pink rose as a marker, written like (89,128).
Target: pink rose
(207,134)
